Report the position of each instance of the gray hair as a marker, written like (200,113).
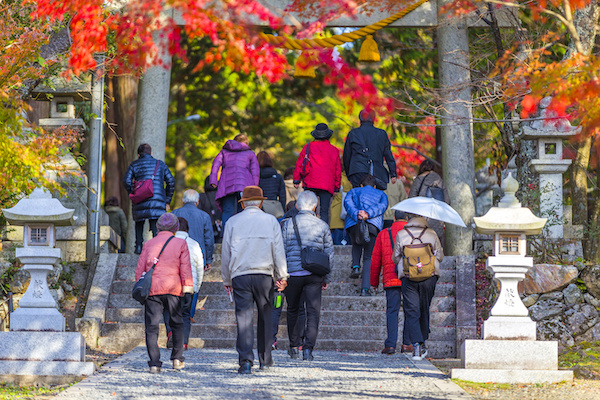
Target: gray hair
(249,203)
(190,196)
(307,200)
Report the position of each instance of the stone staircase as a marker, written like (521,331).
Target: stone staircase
(348,321)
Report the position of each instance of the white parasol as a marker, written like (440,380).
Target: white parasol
(430,208)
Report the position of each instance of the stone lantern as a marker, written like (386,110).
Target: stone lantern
(509,351)
(550,131)
(37,348)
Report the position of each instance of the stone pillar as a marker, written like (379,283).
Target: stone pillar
(457,131)
(151,117)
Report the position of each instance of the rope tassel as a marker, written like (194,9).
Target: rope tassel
(304,67)
(369,51)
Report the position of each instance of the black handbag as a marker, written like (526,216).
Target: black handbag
(313,260)
(141,289)
(360,235)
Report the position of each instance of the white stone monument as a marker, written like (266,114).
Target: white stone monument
(37,349)
(550,132)
(509,352)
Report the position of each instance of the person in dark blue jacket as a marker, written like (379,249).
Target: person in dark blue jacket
(271,182)
(364,151)
(152,208)
(364,203)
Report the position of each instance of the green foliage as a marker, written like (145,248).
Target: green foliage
(583,359)
(10,392)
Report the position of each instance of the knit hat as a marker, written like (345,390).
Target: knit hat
(322,132)
(366,116)
(168,222)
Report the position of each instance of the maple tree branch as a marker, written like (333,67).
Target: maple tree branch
(402,146)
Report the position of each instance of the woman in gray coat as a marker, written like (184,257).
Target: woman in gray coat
(314,233)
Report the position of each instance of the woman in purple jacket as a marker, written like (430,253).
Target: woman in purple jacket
(239,168)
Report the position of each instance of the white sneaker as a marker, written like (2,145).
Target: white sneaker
(419,352)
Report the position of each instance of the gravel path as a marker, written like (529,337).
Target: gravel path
(212,374)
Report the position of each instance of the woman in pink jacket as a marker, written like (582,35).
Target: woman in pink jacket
(239,168)
(172,277)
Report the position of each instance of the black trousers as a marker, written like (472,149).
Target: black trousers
(365,252)
(324,203)
(186,310)
(139,230)
(417,299)
(309,288)
(247,290)
(153,311)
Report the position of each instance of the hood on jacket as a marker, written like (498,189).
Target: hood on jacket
(112,208)
(232,145)
(418,222)
(267,172)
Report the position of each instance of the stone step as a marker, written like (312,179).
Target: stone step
(329,303)
(340,318)
(229,331)
(335,288)
(436,348)
(341,274)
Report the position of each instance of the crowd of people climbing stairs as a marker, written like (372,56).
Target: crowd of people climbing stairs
(278,235)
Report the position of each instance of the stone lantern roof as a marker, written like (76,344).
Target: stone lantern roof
(509,216)
(39,207)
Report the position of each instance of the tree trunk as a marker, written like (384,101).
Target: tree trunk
(112,176)
(593,247)
(585,21)
(125,98)
(180,148)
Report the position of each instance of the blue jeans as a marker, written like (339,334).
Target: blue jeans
(194,303)
(230,206)
(337,235)
(393,297)
(417,299)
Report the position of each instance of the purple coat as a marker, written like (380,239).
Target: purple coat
(239,168)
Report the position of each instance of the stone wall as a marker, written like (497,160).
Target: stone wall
(564,300)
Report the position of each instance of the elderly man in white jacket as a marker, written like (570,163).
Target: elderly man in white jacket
(197,261)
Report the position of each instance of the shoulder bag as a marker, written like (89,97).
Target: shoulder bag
(141,289)
(143,190)
(360,234)
(313,260)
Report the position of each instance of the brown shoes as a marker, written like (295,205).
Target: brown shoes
(388,351)
(406,348)
(178,364)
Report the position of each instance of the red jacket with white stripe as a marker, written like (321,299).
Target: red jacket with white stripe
(382,258)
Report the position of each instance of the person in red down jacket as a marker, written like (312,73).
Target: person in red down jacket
(382,264)
(319,168)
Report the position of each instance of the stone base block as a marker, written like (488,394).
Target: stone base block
(46,368)
(90,329)
(509,354)
(512,376)
(509,328)
(42,346)
(37,319)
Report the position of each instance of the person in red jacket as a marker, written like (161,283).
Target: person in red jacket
(382,264)
(319,168)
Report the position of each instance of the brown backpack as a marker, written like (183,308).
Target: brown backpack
(418,261)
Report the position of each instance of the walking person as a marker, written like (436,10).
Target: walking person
(187,303)
(319,169)
(365,204)
(239,168)
(382,265)
(417,294)
(338,213)
(148,167)
(364,151)
(305,230)
(172,278)
(429,183)
(208,204)
(117,220)
(252,257)
(272,185)
(395,193)
(291,192)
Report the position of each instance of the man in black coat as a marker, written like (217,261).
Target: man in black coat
(364,151)
(148,167)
